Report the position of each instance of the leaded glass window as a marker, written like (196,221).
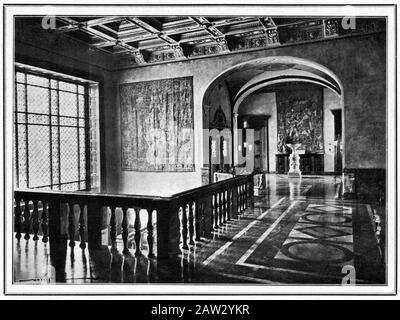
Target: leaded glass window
(51,133)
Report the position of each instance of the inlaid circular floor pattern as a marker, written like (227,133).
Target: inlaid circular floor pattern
(317,252)
(327,218)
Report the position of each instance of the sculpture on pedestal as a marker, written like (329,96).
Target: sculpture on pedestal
(294,160)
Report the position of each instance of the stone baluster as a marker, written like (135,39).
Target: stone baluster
(150,233)
(198,218)
(125,230)
(184,228)
(113,228)
(81,230)
(243,197)
(215,210)
(239,199)
(228,204)
(224,206)
(27,220)
(221,209)
(234,200)
(18,218)
(35,220)
(45,222)
(191,224)
(246,195)
(71,225)
(208,216)
(137,227)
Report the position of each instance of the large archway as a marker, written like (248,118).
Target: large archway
(228,91)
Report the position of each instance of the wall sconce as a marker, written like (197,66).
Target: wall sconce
(250,147)
(239,148)
(245,144)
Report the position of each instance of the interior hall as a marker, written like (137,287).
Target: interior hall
(199,149)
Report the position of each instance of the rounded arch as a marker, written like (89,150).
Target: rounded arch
(296,69)
(245,78)
(271,78)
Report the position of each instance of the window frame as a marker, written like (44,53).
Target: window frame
(86,126)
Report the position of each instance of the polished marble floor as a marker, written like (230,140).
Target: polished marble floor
(296,232)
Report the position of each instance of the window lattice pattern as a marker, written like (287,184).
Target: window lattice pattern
(50,134)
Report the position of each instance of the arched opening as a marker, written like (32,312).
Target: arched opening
(263,106)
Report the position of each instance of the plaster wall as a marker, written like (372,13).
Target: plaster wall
(358,62)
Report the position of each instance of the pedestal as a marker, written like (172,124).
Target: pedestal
(259,184)
(294,162)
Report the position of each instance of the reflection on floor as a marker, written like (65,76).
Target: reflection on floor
(295,233)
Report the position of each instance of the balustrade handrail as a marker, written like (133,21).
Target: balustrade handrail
(34,194)
(212,187)
(89,194)
(180,218)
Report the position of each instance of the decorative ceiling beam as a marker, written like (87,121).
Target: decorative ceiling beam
(135,52)
(207,26)
(272,21)
(73,25)
(174,45)
(149,32)
(177,29)
(267,23)
(104,20)
(107,39)
(218,36)
(270,30)
(98,33)
(231,21)
(128,38)
(104,44)
(109,30)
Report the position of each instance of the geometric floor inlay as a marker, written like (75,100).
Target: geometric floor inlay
(328,236)
(295,232)
(318,238)
(315,251)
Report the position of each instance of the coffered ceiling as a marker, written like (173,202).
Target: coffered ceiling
(146,40)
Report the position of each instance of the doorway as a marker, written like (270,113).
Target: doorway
(254,133)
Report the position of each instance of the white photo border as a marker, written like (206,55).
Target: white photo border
(203,291)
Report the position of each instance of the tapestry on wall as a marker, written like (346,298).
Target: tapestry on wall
(300,119)
(157,125)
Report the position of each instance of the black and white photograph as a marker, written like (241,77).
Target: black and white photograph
(186,149)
